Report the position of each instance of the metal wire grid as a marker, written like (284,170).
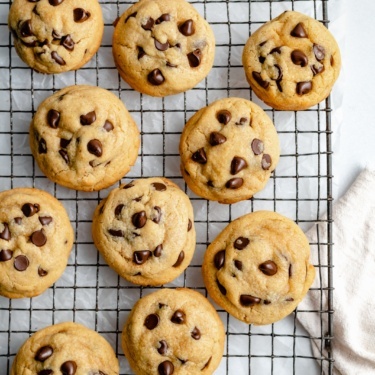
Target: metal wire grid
(249,349)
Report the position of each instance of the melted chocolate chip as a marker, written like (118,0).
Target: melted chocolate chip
(55,35)
(279,73)
(64,155)
(304,87)
(317,69)
(53,118)
(42,147)
(6,255)
(5,234)
(178,317)
(163,347)
(257,146)
(200,156)
(237,165)
(163,18)
(26,29)
(219,259)
(217,138)
(45,220)
(161,46)
(238,264)
(180,259)
(171,65)
(194,58)
(115,22)
(95,147)
(157,217)
(290,273)
(80,15)
(266,162)
(42,272)
(158,186)
(64,143)
(190,225)
(88,118)
(266,302)
(108,126)
(166,368)
(118,209)
(187,28)
(29,209)
(156,77)
(240,243)
(57,58)
(43,353)
(242,121)
(261,82)
(67,42)
(158,250)
(319,52)
(140,257)
(269,268)
(290,299)
(45,372)
(234,183)
(276,50)
(224,117)
(262,59)
(221,288)
(299,31)
(68,368)
(38,238)
(299,58)
(141,52)
(129,185)
(21,262)
(116,232)
(131,15)
(149,24)
(18,220)
(55,3)
(332,60)
(207,364)
(151,321)
(139,219)
(196,333)
(247,300)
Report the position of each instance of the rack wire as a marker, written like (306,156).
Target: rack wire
(89,291)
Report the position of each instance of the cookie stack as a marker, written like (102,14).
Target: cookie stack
(82,137)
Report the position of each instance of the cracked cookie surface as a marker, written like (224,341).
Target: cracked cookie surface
(55,36)
(36,238)
(162,47)
(228,150)
(292,62)
(258,268)
(173,332)
(68,349)
(145,231)
(83,137)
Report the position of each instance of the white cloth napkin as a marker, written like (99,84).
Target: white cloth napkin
(353,346)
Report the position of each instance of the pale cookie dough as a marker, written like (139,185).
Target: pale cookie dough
(145,231)
(163,47)
(258,268)
(229,150)
(67,349)
(36,238)
(54,36)
(82,137)
(173,332)
(292,62)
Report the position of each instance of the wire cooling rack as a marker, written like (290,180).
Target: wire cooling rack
(91,293)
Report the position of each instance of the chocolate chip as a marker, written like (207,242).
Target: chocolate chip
(238,264)
(319,52)
(30,209)
(247,300)
(163,18)
(42,272)
(64,155)
(240,243)
(221,288)
(290,299)
(163,347)
(332,60)
(55,35)
(224,116)
(200,156)
(21,262)
(18,220)
(242,121)
(159,186)
(279,73)
(131,15)
(141,256)
(118,209)
(178,317)
(261,82)
(290,270)
(68,368)
(54,3)
(64,143)
(5,234)
(141,52)
(45,220)
(38,238)
(88,118)
(115,22)
(266,302)
(317,69)
(299,31)
(257,146)
(42,147)
(139,219)
(158,250)
(190,225)
(95,147)
(57,58)
(171,65)
(156,77)
(157,218)
(299,58)
(161,46)
(266,162)
(217,138)
(129,185)
(53,118)
(276,50)
(269,268)
(166,368)
(45,372)
(207,364)
(80,15)
(263,43)
(149,24)
(116,232)
(151,321)
(43,353)
(67,42)
(187,28)
(196,333)
(108,126)
(180,259)
(262,59)
(33,1)
(219,259)
(234,183)
(5,255)
(237,165)
(26,29)
(194,58)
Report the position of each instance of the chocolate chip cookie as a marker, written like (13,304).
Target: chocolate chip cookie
(228,150)
(67,349)
(145,231)
(54,36)
(82,137)
(258,268)
(292,62)
(163,47)
(35,242)
(173,332)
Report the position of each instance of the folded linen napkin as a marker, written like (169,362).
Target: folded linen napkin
(353,346)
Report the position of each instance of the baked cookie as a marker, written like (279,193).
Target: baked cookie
(163,47)
(145,231)
(35,242)
(228,150)
(173,332)
(82,137)
(55,36)
(258,268)
(292,62)
(67,349)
